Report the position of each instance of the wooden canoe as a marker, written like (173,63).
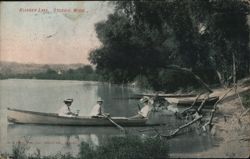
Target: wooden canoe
(186,102)
(30,117)
(164,95)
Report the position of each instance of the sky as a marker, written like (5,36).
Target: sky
(53,34)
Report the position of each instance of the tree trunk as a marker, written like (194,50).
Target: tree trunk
(234,70)
(220,77)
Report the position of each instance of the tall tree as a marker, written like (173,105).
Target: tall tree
(142,37)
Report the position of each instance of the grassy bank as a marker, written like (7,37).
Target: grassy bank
(128,147)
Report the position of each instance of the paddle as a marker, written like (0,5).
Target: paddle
(113,122)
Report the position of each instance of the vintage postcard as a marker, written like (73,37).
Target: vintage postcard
(124,79)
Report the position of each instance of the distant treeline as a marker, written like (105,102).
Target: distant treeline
(86,73)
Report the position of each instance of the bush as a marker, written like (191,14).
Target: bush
(128,147)
(168,80)
(142,82)
(86,151)
(19,150)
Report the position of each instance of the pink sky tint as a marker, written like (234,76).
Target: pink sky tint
(33,37)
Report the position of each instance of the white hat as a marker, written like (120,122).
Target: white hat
(68,100)
(144,99)
(99,99)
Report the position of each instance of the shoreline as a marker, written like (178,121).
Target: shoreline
(229,126)
(233,134)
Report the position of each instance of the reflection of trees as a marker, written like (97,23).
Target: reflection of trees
(63,138)
(182,144)
(94,139)
(82,73)
(67,143)
(119,106)
(91,139)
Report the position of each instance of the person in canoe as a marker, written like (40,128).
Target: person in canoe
(147,108)
(65,109)
(97,110)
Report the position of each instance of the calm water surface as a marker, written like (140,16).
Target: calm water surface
(48,96)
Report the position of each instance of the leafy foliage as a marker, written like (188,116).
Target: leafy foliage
(19,150)
(128,147)
(142,37)
(131,147)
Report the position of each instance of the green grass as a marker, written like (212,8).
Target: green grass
(128,147)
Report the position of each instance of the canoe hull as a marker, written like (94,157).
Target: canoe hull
(29,117)
(187,102)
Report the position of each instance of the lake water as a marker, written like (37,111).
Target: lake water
(48,96)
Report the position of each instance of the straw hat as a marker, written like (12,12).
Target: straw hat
(99,99)
(144,99)
(68,100)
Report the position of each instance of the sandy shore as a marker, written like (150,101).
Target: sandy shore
(233,132)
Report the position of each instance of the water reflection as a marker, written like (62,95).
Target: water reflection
(51,130)
(64,138)
(47,96)
(67,138)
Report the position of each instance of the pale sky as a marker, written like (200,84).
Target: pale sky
(54,37)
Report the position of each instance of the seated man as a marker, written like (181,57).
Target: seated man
(147,108)
(160,104)
(97,110)
(65,109)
